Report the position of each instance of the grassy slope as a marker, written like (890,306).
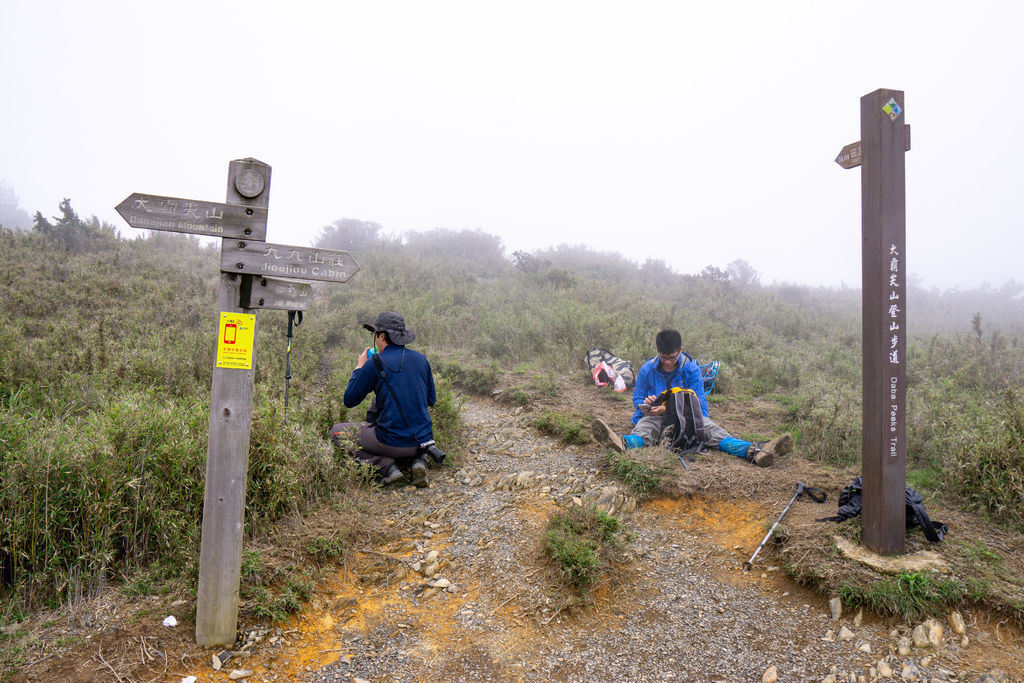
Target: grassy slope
(107,350)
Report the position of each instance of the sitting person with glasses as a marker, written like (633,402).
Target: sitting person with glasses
(673,368)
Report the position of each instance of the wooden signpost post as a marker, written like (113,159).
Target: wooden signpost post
(246,260)
(881,155)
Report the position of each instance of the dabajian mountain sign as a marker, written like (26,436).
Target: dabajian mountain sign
(194,217)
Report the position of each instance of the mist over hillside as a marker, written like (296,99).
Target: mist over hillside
(107,349)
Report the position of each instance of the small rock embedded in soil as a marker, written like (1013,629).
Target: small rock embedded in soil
(835,605)
(956,623)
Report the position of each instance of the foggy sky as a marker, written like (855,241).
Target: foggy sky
(696,133)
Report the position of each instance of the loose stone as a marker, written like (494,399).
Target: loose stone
(935,631)
(770,675)
(956,623)
(910,672)
(836,607)
(845,634)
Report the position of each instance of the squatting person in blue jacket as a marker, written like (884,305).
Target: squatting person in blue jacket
(399,441)
(673,368)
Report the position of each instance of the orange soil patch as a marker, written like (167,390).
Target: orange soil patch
(724,522)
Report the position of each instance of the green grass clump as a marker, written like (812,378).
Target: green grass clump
(988,473)
(907,595)
(474,379)
(323,548)
(568,428)
(642,478)
(584,543)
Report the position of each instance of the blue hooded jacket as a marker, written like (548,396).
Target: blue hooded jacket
(651,381)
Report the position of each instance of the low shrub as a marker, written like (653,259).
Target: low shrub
(568,428)
(907,595)
(584,543)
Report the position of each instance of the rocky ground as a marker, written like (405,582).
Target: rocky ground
(454,586)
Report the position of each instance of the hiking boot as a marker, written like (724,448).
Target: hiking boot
(668,435)
(605,434)
(418,473)
(780,445)
(392,476)
(434,456)
(763,454)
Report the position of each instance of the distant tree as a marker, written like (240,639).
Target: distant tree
(70,231)
(475,250)
(528,263)
(714,273)
(656,268)
(742,273)
(11,213)
(351,235)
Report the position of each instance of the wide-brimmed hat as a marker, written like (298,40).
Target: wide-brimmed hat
(394,325)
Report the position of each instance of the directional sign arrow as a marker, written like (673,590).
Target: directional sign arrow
(849,156)
(306,263)
(173,214)
(276,293)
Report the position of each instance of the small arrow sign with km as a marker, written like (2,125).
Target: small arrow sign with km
(849,156)
(173,214)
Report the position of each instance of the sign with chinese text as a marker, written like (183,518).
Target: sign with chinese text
(235,340)
(850,156)
(304,263)
(194,217)
(276,293)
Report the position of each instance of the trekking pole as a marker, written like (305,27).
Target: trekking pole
(288,356)
(800,488)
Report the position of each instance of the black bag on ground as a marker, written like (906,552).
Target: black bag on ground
(851,504)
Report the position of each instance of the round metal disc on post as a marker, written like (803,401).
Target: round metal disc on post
(249,183)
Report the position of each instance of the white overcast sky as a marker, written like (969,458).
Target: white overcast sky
(696,133)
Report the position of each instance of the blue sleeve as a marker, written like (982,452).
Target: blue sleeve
(360,384)
(694,380)
(431,391)
(643,388)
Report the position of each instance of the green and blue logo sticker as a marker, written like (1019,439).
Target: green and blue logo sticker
(892,108)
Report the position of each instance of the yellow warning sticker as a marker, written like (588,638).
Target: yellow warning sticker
(234,340)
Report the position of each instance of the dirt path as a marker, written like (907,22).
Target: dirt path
(492,609)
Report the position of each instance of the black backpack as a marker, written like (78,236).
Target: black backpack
(851,504)
(683,421)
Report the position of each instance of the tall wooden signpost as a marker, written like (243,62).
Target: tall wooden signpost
(885,138)
(248,282)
